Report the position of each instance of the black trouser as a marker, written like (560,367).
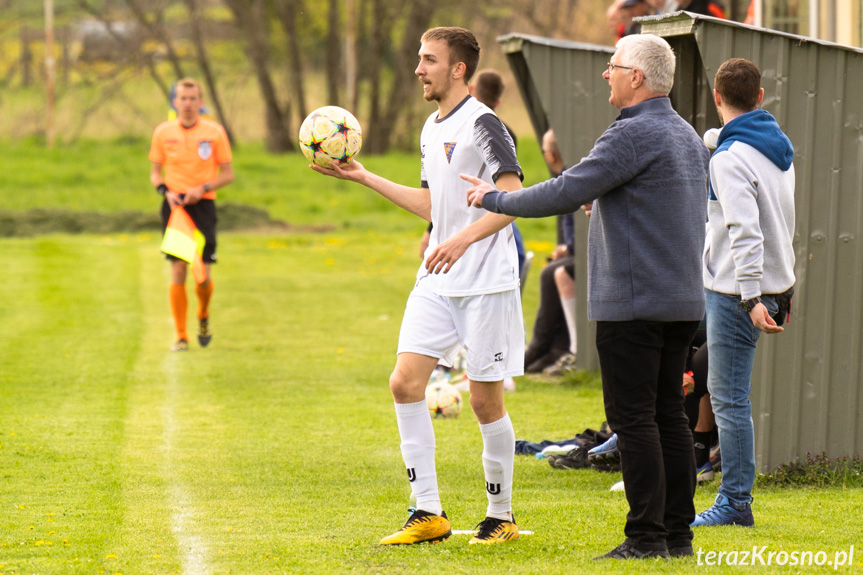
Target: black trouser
(549,330)
(642,367)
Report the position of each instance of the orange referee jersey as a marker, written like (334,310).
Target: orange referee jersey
(191,156)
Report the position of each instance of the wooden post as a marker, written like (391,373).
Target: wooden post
(26,55)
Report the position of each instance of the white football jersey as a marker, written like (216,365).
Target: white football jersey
(469,140)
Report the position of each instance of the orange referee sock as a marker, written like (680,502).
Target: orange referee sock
(179,305)
(205,292)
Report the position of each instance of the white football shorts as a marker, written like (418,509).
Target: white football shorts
(489,326)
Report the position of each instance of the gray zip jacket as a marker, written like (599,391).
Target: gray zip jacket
(647,178)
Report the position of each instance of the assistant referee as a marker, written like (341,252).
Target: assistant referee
(191,159)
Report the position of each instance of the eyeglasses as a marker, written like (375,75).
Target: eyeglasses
(611,67)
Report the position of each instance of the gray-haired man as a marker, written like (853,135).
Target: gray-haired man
(647,178)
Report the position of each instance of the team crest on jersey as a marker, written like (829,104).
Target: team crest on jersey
(205,149)
(448,148)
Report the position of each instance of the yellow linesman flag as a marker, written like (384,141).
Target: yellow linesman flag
(183,240)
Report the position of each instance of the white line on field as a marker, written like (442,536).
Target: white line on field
(473,532)
(193,549)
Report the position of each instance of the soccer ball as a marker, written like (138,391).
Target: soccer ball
(330,134)
(443,400)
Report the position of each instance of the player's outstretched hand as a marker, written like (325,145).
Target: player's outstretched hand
(352,171)
(477,192)
(446,254)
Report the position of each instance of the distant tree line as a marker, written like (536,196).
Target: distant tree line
(365,50)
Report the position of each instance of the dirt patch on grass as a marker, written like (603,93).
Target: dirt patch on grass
(232,217)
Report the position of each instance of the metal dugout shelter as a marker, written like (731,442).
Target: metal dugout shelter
(562,86)
(806,385)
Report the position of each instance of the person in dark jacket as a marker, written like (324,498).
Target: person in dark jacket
(647,179)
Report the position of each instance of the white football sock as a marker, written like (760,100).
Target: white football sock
(418,449)
(569,313)
(498,454)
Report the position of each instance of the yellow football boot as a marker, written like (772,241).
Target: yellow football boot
(492,530)
(421,527)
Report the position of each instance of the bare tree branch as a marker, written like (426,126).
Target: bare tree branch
(287,11)
(157,31)
(250,18)
(204,64)
(151,67)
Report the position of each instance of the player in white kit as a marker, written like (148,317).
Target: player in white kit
(466,294)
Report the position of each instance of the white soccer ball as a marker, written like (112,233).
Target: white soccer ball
(443,400)
(330,134)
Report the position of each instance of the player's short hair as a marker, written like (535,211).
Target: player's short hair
(488,87)
(738,81)
(190,83)
(653,56)
(462,44)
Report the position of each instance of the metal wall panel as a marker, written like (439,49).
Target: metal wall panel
(806,381)
(562,86)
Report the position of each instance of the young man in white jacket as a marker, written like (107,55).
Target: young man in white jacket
(748,262)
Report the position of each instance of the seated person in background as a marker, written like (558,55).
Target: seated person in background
(551,340)
(698,408)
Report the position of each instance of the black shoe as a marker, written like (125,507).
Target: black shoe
(180,345)
(575,459)
(535,364)
(681,551)
(606,453)
(627,551)
(204,333)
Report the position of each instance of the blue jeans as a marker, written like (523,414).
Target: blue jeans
(731,341)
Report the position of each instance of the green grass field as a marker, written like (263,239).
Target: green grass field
(275,450)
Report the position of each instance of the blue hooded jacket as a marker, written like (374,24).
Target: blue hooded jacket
(760,130)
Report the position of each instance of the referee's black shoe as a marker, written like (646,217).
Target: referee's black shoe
(204,333)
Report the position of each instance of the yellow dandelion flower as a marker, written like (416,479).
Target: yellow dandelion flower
(110,556)
(329,261)
(538,246)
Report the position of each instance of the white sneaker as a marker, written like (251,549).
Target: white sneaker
(617,486)
(461,383)
(508,384)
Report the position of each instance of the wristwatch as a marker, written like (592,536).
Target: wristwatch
(748,304)
(207,187)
